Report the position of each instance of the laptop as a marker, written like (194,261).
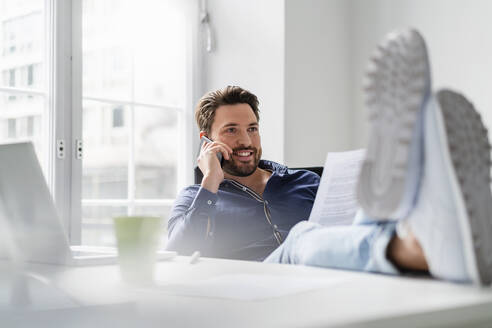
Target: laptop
(30,228)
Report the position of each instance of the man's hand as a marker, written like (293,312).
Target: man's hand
(210,166)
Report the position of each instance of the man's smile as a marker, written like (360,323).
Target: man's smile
(243,161)
(243,155)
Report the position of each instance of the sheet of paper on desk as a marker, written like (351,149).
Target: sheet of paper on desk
(336,201)
(248,287)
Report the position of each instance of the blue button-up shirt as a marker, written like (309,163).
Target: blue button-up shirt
(236,222)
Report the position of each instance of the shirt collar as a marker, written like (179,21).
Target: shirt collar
(272,166)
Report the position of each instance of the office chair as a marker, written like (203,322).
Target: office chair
(316,169)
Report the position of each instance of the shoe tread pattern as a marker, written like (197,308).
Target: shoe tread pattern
(470,154)
(397,83)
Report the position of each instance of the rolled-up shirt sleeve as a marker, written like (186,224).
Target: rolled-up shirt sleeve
(191,223)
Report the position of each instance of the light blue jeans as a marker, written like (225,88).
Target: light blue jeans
(360,246)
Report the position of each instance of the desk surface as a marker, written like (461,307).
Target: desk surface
(353,299)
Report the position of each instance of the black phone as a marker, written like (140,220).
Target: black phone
(219,154)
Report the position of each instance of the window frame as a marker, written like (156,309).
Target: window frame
(65,19)
(62,127)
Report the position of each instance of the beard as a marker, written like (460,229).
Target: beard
(241,169)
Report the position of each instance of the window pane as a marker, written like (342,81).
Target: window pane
(118,117)
(135,50)
(12,130)
(134,73)
(97,224)
(160,73)
(106,151)
(12,77)
(22,43)
(30,75)
(107,61)
(21,118)
(156,147)
(158,211)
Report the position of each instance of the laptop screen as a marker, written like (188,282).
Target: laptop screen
(28,216)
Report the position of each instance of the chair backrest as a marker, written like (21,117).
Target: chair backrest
(316,169)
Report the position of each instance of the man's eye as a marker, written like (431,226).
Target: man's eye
(253,129)
(231,130)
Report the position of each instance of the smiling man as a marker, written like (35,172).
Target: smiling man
(423,189)
(245,208)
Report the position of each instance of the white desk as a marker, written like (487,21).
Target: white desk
(353,300)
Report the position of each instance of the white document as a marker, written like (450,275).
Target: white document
(336,201)
(247,287)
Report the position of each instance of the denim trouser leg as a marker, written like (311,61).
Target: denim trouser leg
(361,246)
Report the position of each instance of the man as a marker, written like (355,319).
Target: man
(443,219)
(244,209)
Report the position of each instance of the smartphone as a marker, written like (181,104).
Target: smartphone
(219,154)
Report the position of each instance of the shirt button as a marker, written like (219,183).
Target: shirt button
(209,202)
(275,227)
(210,234)
(244,189)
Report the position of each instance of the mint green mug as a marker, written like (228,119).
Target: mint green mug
(137,238)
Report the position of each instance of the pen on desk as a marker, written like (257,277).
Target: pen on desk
(194,257)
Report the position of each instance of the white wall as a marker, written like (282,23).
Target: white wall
(249,53)
(458,39)
(294,55)
(305,60)
(318,112)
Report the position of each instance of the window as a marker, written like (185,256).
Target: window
(12,128)
(11,82)
(30,126)
(118,120)
(12,77)
(30,75)
(123,90)
(22,23)
(134,86)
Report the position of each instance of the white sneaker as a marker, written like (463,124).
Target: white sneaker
(453,217)
(397,89)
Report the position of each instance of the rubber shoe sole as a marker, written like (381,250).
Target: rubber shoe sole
(469,151)
(397,87)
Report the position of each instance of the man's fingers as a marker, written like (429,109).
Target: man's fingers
(220,148)
(206,145)
(227,148)
(224,149)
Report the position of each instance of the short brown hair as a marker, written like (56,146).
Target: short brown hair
(230,95)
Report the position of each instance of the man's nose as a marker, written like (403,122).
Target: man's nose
(244,139)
